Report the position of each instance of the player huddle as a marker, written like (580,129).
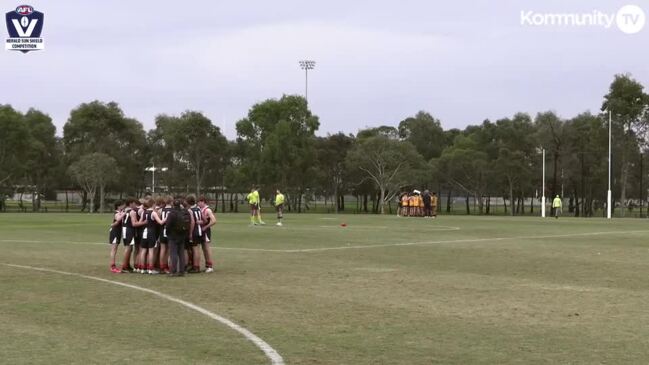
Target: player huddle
(162,235)
(416,204)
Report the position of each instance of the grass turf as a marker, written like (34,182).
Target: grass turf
(383,290)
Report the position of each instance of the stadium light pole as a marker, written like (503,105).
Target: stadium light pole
(543,191)
(153,170)
(307,65)
(608,194)
(641,185)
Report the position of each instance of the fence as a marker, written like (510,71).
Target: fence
(493,206)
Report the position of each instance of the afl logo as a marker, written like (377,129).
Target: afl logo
(24,10)
(25,26)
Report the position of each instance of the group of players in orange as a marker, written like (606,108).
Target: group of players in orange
(417,204)
(141,225)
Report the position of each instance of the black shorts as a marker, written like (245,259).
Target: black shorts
(128,235)
(207,234)
(114,236)
(151,242)
(149,238)
(197,240)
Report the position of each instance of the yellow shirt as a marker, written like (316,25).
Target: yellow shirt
(253,197)
(279,199)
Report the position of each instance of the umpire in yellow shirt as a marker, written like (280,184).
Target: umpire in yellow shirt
(556,205)
(253,200)
(279,206)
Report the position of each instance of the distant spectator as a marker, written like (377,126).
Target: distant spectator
(556,205)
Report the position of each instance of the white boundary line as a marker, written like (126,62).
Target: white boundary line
(70,242)
(350,247)
(274,357)
(357,227)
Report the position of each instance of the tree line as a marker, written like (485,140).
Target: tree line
(104,153)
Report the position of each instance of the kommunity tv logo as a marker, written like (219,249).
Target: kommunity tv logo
(629,19)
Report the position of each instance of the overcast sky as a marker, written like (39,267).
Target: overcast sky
(378,61)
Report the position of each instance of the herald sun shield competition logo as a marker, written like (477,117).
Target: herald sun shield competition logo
(25,26)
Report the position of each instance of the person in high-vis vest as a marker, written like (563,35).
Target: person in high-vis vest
(279,206)
(556,205)
(253,200)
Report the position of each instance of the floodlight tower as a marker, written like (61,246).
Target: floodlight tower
(307,65)
(153,169)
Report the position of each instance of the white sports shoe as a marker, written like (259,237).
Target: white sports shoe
(209,270)
(279,224)
(154,272)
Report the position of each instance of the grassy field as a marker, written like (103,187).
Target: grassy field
(383,290)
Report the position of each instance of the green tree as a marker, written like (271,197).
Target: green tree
(425,133)
(235,179)
(13,147)
(387,163)
(515,140)
(467,167)
(586,137)
(102,127)
(628,104)
(550,135)
(513,166)
(332,152)
(277,144)
(42,156)
(13,143)
(192,143)
(384,130)
(94,171)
